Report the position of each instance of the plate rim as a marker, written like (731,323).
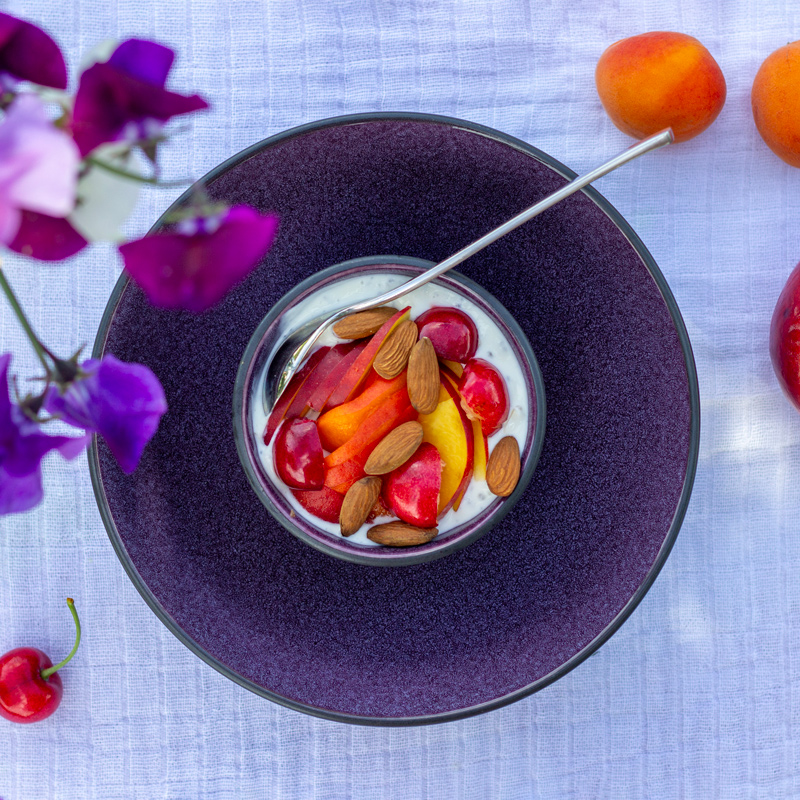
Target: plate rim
(664,550)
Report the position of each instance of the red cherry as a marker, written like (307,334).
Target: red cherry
(324,503)
(784,338)
(484,395)
(411,492)
(30,687)
(298,457)
(25,696)
(452,333)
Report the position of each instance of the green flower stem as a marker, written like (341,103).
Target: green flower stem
(40,349)
(46,673)
(133,176)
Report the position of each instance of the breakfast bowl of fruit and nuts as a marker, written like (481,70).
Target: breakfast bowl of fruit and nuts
(409,431)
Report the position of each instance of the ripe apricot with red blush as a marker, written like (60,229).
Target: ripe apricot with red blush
(774,99)
(660,80)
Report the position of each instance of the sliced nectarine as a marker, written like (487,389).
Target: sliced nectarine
(345,465)
(341,423)
(342,476)
(360,369)
(453,371)
(302,400)
(481,451)
(278,413)
(330,381)
(449,430)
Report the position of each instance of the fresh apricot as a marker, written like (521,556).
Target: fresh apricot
(660,80)
(774,99)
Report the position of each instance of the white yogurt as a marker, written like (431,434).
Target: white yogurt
(493,346)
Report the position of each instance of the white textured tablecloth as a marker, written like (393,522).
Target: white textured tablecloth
(698,695)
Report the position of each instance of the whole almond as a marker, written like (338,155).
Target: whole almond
(502,471)
(400,534)
(357,504)
(393,355)
(364,323)
(394,449)
(423,376)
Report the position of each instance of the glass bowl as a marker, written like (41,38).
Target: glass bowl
(249,390)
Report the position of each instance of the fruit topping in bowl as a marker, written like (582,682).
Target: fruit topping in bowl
(392,425)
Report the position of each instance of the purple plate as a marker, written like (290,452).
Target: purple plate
(536,595)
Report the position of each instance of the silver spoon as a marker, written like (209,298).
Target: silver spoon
(297,346)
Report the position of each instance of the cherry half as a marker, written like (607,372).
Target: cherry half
(298,456)
(452,333)
(412,491)
(484,395)
(30,686)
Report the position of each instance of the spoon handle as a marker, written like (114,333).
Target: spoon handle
(299,355)
(640,148)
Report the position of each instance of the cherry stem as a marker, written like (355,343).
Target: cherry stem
(46,673)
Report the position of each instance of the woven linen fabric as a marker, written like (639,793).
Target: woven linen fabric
(698,694)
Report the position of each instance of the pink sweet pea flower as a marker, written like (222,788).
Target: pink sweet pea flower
(121,402)
(27,53)
(125,98)
(193,267)
(38,166)
(22,448)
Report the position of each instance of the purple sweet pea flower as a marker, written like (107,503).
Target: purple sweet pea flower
(27,53)
(122,402)
(125,98)
(46,238)
(22,448)
(194,267)
(38,166)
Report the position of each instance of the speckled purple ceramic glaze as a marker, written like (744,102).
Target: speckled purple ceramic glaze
(534,596)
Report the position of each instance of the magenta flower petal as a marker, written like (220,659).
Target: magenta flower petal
(122,402)
(29,54)
(46,238)
(126,92)
(22,448)
(194,271)
(148,61)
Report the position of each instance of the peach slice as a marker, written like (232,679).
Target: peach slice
(342,476)
(345,465)
(330,381)
(289,393)
(454,367)
(453,371)
(481,451)
(341,423)
(302,400)
(450,432)
(360,369)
